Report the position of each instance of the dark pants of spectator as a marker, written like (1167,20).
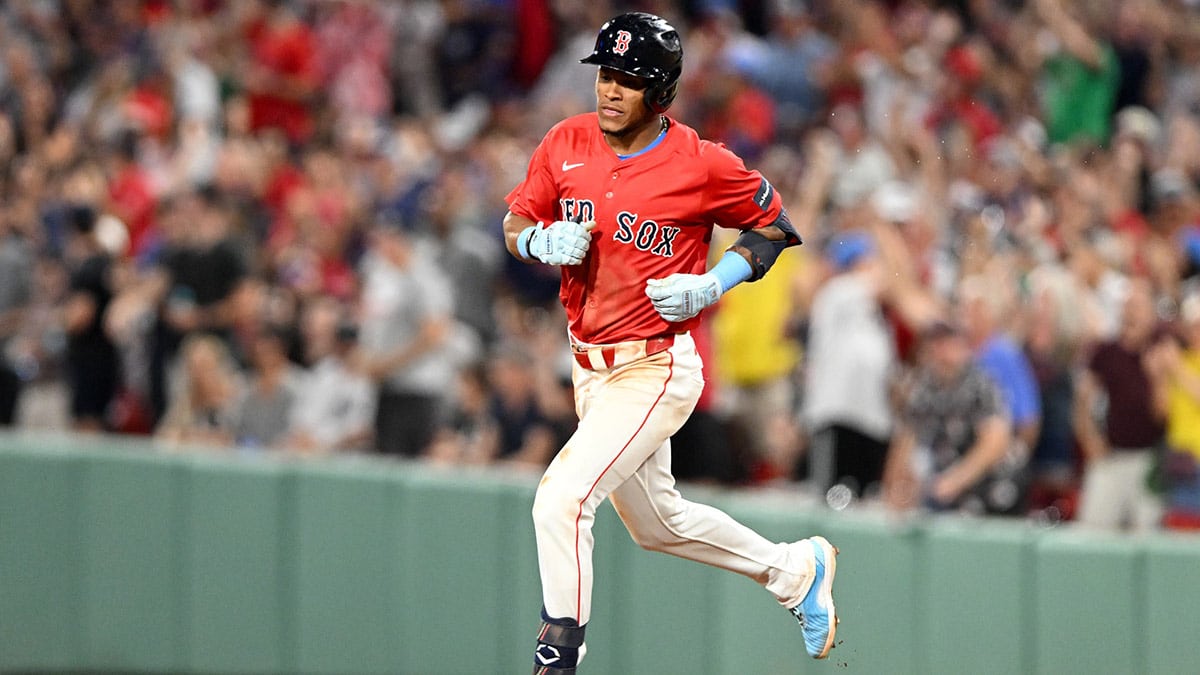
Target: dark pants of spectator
(10,390)
(701,451)
(841,455)
(405,423)
(93,386)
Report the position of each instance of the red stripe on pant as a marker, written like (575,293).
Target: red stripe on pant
(578,564)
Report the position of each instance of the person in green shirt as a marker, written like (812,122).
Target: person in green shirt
(1080,80)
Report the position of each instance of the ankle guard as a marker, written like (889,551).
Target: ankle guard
(558,646)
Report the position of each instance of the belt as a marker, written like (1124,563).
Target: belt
(603,357)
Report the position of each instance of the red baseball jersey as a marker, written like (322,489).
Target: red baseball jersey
(654,214)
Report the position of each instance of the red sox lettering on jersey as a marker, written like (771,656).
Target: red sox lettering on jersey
(654,216)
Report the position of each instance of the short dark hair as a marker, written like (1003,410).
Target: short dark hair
(82,218)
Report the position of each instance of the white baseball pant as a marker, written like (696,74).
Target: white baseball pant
(621,449)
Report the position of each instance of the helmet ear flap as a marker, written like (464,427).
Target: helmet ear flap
(661,95)
(658,99)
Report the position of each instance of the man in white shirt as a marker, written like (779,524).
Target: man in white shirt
(335,406)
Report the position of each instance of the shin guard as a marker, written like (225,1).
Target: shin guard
(559,646)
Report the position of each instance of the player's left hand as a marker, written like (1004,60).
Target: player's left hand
(682,296)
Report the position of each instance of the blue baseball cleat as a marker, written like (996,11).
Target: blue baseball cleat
(817,617)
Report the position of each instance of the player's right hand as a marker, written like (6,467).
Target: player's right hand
(561,242)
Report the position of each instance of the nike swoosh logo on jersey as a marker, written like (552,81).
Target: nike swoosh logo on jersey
(568,167)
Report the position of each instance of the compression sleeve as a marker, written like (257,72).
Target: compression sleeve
(731,270)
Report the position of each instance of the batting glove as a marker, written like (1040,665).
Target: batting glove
(682,296)
(559,243)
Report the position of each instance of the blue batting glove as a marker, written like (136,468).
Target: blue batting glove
(681,296)
(560,243)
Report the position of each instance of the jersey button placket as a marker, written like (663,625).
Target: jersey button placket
(609,194)
(591,303)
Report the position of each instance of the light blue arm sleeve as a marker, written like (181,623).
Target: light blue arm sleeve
(731,270)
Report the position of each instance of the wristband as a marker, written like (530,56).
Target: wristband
(731,270)
(523,241)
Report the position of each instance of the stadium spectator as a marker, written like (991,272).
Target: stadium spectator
(984,311)
(93,365)
(27,99)
(131,195)
(1181,463)
(282,76)
(196,87)
(863,163)
(202,267)
(270,393)
(412,64)
(952,431)
(470,254)
(37,351)
(795,67)
(852,352)
(1053,342)
(1120,406)
(851,360)
(335,403)
(354,49)
(309,246)
(735,110)
(470,434)
(1137,31)
(1172,242)
(407,317)
(16,272)
(526,435)
(1082,72)
(205,400)
(474,52)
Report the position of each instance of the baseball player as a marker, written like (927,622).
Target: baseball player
(624,201)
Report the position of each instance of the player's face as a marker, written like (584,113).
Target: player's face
(620,103)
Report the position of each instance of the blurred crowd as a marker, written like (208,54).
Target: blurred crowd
(274,225)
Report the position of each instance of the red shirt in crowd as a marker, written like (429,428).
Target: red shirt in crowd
(132,199)
(285,54)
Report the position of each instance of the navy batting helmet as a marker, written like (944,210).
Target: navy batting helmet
(646,46)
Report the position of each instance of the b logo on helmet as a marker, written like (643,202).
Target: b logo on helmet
(622,44)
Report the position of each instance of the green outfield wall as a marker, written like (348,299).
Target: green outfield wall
(119,557)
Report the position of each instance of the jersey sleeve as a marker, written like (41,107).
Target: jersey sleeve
(736,196)
(536,197)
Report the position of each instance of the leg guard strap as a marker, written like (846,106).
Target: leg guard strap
(560,632)
(559,647)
